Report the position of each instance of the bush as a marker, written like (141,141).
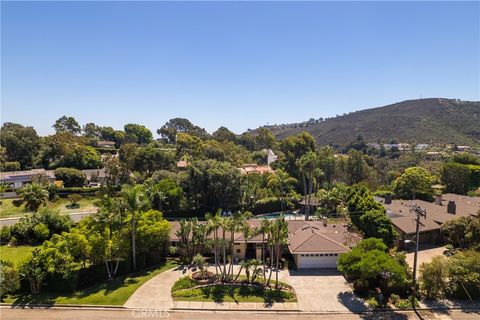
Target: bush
(5,235)
(10,166)
(405,303)
(183,283)
(9,278)
(26,231)
(74,199)
(41,232)
(17,202)
(80,190)
(271,204)
(71,177)
(373,302)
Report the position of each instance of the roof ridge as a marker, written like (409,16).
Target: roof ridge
(330,239)
(307,238)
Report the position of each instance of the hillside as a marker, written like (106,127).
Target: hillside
(433,120)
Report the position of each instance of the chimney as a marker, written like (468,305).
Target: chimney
(388,199)
(438,199)
(451,207)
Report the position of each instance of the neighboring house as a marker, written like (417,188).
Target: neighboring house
(255,168)
(312,244)
(182,164)
(271,157)
(106,144)
(445,208)
(95,175)
(18,179)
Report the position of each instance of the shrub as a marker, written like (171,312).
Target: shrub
(9,278)
(71,177)
(183,283)
(373,302)
(17,202)
(41,232)
(74,199)
(5,235)
(10,166)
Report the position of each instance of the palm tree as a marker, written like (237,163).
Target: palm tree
(224,224)
(280,233)
(247,232)
(256,269)
(309,167)
(282,183)
(184,235)
(213,224)
(34,195)
(155,193)
(264,229)
(135,201)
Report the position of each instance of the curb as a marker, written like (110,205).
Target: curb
(237,310)
(63,306)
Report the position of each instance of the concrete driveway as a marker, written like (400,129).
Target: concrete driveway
(425,254)
(323,290)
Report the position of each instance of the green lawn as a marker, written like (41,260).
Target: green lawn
(115,292)
(15,255)
(183,290)
(7,209)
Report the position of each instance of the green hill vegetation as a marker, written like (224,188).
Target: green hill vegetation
(434,120)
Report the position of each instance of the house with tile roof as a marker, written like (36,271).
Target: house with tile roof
(312,244)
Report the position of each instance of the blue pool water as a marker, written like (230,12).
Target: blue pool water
(275,215)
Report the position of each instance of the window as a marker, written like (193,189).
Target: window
(321,254)
(302,255)
(238,250)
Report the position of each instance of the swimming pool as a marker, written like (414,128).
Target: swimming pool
(276,215)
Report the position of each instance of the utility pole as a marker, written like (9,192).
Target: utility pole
(420,213)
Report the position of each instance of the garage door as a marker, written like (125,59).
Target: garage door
(322,260)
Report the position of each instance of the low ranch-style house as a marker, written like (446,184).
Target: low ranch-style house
(312,244)
(446,207)
(19,179)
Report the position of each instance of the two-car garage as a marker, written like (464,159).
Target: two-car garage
(316,260)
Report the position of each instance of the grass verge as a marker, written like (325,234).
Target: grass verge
(114,292)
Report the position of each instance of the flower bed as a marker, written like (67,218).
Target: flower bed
(188,289)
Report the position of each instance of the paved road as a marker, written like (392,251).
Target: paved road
(88,314)
(76,216)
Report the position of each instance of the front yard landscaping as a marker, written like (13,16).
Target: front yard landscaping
(113,292)
(187,289)
(9,209)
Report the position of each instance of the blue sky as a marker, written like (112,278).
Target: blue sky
(239,64)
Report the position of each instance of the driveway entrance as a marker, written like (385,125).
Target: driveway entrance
(323,290)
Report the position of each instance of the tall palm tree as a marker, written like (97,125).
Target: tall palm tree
(282,184)
(135,201)
(264,229)
(309,167)
(213,224)
(224,224)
